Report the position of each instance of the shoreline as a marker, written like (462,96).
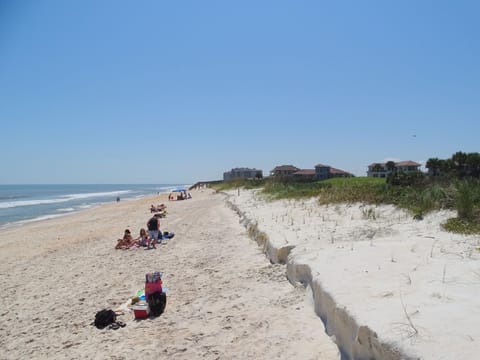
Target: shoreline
(45,217)
(22,204)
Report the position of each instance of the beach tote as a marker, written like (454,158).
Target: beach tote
(157,302)
(153,283)
(105,317)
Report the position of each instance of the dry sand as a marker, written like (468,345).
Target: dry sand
(386,286)
(225,299)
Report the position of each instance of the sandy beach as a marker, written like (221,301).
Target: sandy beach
(225,299)
(247,279)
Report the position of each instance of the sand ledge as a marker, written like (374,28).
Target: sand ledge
(385,268)
(357,342)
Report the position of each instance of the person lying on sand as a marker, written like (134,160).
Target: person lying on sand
(159,208)
(126,242)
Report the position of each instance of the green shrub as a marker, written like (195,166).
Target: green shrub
(460,226)
(405,179)
(239,183)
(430,198)
(465,200)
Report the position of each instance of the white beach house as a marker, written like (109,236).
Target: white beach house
(382,170)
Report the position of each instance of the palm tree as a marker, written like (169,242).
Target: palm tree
(433,166)
(376,168)
(390,165)
(460,160)
(473,164)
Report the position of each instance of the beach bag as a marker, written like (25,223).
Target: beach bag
(153,283)
(105,317)
(151,288)
(157,302)
(167,235)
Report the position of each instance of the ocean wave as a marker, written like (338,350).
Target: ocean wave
(95,194)
(70,209)
(63,198)
(8,197)
(86,206)
(27,221)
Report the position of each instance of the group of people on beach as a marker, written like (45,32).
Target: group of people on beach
(127,242)
(182,195)
(147,239)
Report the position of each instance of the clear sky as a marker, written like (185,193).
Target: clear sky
(179,91)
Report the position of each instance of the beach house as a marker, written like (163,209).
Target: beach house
(284,170)
(323,172)
(242,173)
(382,170)
(320,172)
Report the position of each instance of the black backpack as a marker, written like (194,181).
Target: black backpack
(157,302)
(105,317)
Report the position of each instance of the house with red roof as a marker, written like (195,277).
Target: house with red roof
(323,172)
(284,170)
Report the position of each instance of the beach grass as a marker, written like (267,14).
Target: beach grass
(239,183)
(419,198)
(459,226)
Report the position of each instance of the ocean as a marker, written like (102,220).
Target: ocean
(26,203)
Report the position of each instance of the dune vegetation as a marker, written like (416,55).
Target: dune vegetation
(417,192)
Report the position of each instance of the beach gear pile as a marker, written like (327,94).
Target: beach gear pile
(154,298)
(148,302)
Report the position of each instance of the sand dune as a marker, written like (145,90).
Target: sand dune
(386,286)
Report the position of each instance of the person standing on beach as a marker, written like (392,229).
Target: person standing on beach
(153,226)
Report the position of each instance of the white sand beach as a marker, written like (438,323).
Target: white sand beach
(386,286)
(225,299)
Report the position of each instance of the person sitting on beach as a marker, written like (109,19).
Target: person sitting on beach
(144,240)
(126,242)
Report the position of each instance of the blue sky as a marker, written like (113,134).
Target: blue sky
(181,91)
